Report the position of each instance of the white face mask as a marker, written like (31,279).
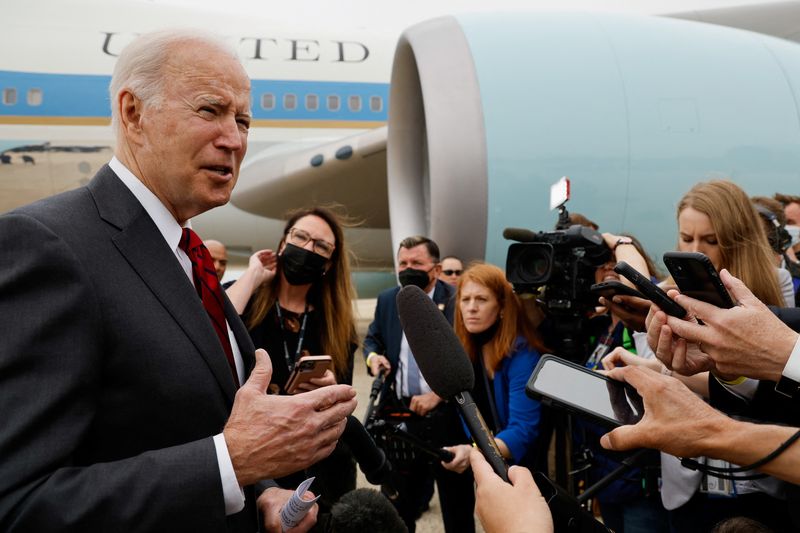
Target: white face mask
(794,232)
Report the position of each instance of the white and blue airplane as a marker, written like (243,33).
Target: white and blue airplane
(487,110)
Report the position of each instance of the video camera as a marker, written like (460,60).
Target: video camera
(559,266)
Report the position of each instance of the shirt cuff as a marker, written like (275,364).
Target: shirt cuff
(792,368)
(231,491)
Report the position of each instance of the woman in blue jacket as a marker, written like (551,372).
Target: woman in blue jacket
(504,349)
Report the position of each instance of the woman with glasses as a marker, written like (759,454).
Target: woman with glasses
(298,302)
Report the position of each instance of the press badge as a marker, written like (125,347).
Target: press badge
(714,486)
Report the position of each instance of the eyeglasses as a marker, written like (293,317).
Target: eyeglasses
(452,272)
(300,237)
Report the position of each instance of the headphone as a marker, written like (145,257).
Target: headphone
(779,239)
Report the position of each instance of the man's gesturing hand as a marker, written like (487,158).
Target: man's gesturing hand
(270,436)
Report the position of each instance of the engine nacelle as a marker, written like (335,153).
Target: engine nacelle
(488,110)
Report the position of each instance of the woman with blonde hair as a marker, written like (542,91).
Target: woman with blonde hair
(717,219)
(504,349)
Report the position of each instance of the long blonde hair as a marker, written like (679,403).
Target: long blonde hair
(512,324)
(743,245)
(332,295)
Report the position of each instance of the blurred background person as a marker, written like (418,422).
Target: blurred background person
(791,209)
(298,302)
(504,350)
(219,254)
(773,219)
(452,267)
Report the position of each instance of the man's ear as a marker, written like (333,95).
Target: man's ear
(130,114)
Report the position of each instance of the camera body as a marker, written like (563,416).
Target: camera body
(563,262)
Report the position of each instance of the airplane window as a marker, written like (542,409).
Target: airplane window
(333,102)
(354,103)
(268,101)
(289,101)
(312,102)
(375,104)
(34,97)
(9,96)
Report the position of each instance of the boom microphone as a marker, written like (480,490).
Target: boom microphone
(445,366)
(520,235)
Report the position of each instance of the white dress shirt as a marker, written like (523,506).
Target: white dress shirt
(401,377)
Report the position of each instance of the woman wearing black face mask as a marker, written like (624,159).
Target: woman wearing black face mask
(298,302)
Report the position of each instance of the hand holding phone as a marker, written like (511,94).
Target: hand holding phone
(651,291)
(305,369)
(585,392)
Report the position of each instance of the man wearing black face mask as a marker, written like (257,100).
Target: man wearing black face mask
(388,352)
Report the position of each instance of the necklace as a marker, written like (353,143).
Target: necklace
(290,361)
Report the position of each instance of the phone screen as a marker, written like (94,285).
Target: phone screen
(586,392)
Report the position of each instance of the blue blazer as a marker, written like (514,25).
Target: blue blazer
(518,415)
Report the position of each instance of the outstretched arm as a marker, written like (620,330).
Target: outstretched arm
(666,427)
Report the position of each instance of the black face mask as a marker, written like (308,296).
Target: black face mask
(413,276)
(301,267)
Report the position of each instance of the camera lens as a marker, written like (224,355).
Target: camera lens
(529,263)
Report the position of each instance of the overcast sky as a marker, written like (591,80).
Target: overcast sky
(397,14)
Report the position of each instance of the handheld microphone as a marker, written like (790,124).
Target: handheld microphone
(520,235)
(445,366)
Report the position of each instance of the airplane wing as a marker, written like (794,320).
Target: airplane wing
(350,171)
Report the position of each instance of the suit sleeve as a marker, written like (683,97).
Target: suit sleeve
(523,412)
(374,341)
(51,362)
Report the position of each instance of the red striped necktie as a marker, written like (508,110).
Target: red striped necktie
(207,285)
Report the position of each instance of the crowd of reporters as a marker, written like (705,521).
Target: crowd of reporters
(723,370)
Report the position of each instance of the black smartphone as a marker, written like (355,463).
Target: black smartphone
(650,290)
(609,289)
(695,276)
(584,392)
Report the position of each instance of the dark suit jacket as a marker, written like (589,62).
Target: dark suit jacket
(385,334)
(767,405)
(112,379)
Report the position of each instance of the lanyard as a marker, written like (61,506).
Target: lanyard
(290,362)
(603,346)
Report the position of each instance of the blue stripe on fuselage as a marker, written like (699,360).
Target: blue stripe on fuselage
(83,95)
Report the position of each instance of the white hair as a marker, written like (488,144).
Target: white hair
(140,64)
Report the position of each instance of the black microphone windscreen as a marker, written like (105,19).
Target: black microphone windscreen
(519,235)
(369,457)
(439,354)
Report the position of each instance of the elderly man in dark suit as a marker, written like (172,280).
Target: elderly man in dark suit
(388,351)
(120,357)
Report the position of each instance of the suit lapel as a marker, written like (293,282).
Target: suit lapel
(143,246)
